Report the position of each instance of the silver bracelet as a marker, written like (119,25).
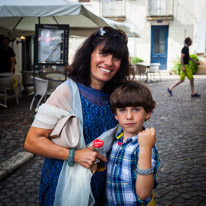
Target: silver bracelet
(145,172)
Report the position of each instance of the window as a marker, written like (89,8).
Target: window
(159,41)
(115,9)
(160,7)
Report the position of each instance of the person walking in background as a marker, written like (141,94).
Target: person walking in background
(134,160)
(185,71)
(7,57)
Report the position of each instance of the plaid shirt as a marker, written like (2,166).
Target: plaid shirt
(121,173)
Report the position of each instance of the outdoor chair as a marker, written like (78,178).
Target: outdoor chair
(40,89)
(54,80)
(46,71)
(27,80)
(140,70)
(7,85)
(153,69)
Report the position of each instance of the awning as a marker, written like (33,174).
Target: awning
(18,17)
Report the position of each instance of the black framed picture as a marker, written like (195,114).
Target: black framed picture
(51,44)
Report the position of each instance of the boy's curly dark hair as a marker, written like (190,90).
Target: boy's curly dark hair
(132,94)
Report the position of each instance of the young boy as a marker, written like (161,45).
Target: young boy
(134,160)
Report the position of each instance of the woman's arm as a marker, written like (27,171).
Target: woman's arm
(37,140)
(145,183)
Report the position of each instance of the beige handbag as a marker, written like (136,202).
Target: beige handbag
(66,132)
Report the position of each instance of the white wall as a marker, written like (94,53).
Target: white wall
(181,27)
(199,9)
(74,44)
(185,12)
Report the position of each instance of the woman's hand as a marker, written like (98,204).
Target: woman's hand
(87,157)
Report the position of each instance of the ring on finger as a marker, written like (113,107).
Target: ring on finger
(97,160)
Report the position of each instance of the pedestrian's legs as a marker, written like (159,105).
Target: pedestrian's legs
(192,86)
(174,85)
(193,94)
(182,78)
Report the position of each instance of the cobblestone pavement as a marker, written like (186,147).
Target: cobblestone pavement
(180,122)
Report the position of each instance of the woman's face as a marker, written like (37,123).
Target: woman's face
(103,68)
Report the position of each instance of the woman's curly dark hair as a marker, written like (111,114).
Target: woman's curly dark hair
(80,68)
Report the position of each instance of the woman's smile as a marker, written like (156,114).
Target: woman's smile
(105,70)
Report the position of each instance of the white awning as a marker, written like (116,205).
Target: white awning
(18,17)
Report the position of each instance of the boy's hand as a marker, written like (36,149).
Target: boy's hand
(147,138)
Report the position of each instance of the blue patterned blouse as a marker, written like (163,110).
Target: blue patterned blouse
(97,118)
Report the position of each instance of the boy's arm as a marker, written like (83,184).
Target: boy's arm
(145,183)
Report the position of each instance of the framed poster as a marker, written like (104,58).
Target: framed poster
(51,44)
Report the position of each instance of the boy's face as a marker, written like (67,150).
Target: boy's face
(131,119)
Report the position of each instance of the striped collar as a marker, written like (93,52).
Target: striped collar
(120,136)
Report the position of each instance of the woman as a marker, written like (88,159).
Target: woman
(99,66)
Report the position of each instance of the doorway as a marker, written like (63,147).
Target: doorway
(159,45)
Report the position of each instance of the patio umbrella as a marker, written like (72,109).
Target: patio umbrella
(18,17)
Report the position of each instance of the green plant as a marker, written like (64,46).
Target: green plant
(136,60)
(177,65)
(192,65)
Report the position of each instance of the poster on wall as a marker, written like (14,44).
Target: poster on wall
(51,44)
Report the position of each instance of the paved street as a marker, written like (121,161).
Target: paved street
(180,122)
